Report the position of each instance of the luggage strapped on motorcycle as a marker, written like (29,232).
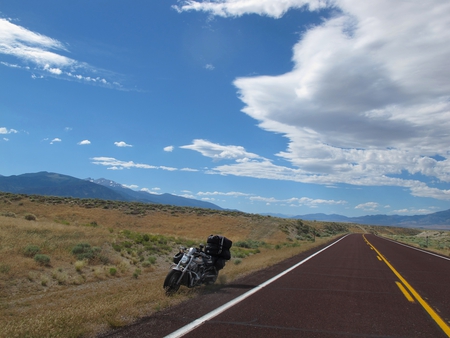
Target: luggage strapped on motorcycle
(219,246)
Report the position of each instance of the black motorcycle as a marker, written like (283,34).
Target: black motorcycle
(195,267)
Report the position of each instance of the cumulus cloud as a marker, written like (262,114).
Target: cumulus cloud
(84,142)
(122,144)
(4,130)
(45,56)
(168,149)
(55,140)
(367,100)
(219,152)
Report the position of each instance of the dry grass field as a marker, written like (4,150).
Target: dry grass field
(79,267)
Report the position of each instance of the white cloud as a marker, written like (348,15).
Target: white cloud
(296,201)
(131,186)
(232,8)
(45,55)
(114,164)
(368,98)
(414,211)
(55,140)
(6,139)
(209,67)
(122,144)
(4,130)
(218,193)
(168,149)
(84,142)
(220,152)
(369,206)
(118,164)
(189,169)
(153,191)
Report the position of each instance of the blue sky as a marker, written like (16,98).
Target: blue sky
(292,107)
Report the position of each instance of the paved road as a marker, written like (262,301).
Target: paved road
(362,286)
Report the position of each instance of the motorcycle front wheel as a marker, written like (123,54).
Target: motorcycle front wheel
(170,283)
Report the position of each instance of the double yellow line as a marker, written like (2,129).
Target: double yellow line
(405,287)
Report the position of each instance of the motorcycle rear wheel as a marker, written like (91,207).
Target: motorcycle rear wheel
(170,283)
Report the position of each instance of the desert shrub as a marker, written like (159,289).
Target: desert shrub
(136,273)
(8,214)
(79,265)
(249,244)
(237,261)
(112,271)
(84,251)
(42,259)
(31,250)
(30,217)
(4,268)
(152,259)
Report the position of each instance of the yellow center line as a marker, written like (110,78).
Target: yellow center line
(442,324)
(405,292)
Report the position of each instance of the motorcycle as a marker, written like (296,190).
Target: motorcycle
(194,267)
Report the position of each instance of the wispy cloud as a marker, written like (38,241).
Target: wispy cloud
(122,144)
(114,164)
(369,206)
(168,149)
(247,164)
(293,202)
(44,56)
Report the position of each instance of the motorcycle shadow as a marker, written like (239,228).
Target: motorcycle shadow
(225,288)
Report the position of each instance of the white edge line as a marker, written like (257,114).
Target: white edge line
(196,323)
(412,247)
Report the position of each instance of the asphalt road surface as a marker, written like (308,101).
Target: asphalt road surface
(360,286)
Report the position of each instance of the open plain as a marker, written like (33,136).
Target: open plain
(83,268)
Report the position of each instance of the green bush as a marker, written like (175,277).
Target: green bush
(249,244)
(31,250)
(42,259)
(112,271)
(136,273)
(85,251)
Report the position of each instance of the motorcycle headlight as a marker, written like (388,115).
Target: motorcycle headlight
(185,259)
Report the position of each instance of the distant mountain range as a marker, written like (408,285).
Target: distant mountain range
(52,184)
(435,220)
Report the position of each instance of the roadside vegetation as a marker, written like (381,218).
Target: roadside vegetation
(79,267)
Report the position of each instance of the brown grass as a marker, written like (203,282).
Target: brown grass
(81,298)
